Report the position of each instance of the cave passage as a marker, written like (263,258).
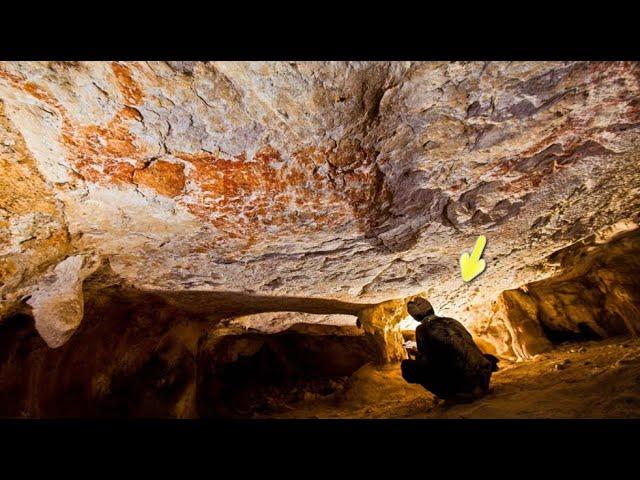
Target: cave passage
(200,354)
(178,354)
(186,239)
(254,374)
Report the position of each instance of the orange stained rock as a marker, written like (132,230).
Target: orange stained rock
(242,197)
(95,151)
(130,90)
(164,177)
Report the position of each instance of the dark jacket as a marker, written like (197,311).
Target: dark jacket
(449,363)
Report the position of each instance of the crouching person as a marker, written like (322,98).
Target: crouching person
(448,362)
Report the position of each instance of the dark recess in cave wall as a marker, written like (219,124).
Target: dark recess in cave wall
(597,296)
(239,374)
(130,360)
(584,333)
(594,294)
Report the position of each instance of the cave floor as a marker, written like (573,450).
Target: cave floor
(597,379)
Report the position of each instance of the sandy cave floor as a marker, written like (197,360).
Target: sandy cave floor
(597,379)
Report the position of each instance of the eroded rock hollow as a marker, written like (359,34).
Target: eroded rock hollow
(231,239)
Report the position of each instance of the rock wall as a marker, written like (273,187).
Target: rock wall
(595,295)
(382,322)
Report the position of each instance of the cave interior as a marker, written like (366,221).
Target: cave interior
(241,239)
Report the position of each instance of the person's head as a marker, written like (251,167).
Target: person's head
(420,308)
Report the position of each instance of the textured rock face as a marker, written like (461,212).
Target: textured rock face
(179,354)
(33,233)
(595,295)
(58,300)
(512,328)
(358,181)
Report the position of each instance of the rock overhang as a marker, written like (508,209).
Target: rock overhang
(358,181)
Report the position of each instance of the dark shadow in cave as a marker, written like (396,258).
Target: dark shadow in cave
(18,339)
(125,360)
(144,354)
(584,333)
(252,374)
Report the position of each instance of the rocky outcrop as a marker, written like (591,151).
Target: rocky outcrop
(513,329)
(382,322)
(596,294)
(58,300)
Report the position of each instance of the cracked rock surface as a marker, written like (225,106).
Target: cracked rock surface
(360,181)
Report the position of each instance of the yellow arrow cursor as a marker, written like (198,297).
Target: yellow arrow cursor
(472,265)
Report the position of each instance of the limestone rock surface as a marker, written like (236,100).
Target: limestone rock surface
(595,295)
(356,181)
(58,300)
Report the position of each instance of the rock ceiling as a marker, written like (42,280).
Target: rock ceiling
(360,182)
